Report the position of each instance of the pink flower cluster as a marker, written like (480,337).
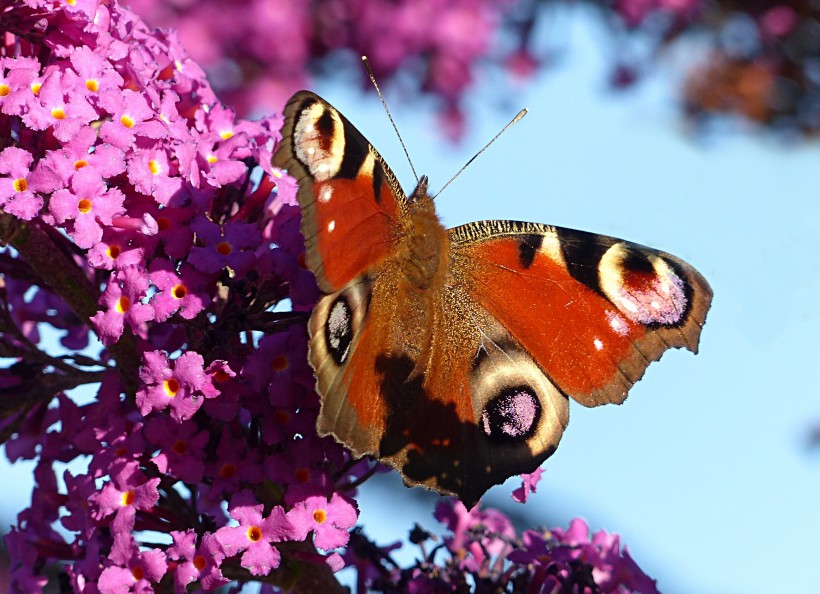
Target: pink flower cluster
(441,42)
(139,209)
(482,553)
(136,180)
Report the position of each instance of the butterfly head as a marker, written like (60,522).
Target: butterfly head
(420,193)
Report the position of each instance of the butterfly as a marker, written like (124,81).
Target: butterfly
(451,354)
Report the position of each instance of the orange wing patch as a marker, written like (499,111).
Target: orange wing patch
(575,334)
(353,231)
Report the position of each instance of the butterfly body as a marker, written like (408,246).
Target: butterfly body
(452,354)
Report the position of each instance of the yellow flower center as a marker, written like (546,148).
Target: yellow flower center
(92,84)
(226,134)
(136,571)
(20,185)
(254,533)
(127,498)
(4,89)
(123,304)
(35,87)
(179,292)
(212,158)
(71,2)
(58,113)
(200,563)
(171,387)
(113,251)
(84,206)
(319,516)
(127,121)
(153,166)
(79,164)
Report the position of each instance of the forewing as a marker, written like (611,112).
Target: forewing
(353,209)
(592,310)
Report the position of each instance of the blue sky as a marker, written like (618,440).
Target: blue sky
(704,471)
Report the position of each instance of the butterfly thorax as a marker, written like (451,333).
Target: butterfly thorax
(427,242)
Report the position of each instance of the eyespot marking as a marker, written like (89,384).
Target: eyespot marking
(339,330)
(644,287)
(512,415)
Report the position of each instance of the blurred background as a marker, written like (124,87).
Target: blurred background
(688,126)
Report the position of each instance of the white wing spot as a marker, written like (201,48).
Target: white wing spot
(617,323)
(598,344)
(326,194)
(331,226)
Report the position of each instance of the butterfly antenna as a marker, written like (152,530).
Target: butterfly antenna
(389,115)
(520,115)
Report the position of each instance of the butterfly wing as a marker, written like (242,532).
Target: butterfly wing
(592,310)
(465,382)
(354,215)
(353,209)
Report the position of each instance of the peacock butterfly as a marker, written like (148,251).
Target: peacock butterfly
(451,354)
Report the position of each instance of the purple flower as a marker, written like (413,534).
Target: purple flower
(255,533)
(280,366)
(15,85)
(182,448)
(89,204)
(58,105)
(177,384)
(285,195)
(184,292)
(196,563)
(121,302)
(131,117)
(220,160)
(17,189)
(529,482)
(237,463)
(330,520)
(93,72)
(153,172)
(478,535)
(137,574)
(128,490)
(79,489)
(81,152)
(118,249)
(227,246)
